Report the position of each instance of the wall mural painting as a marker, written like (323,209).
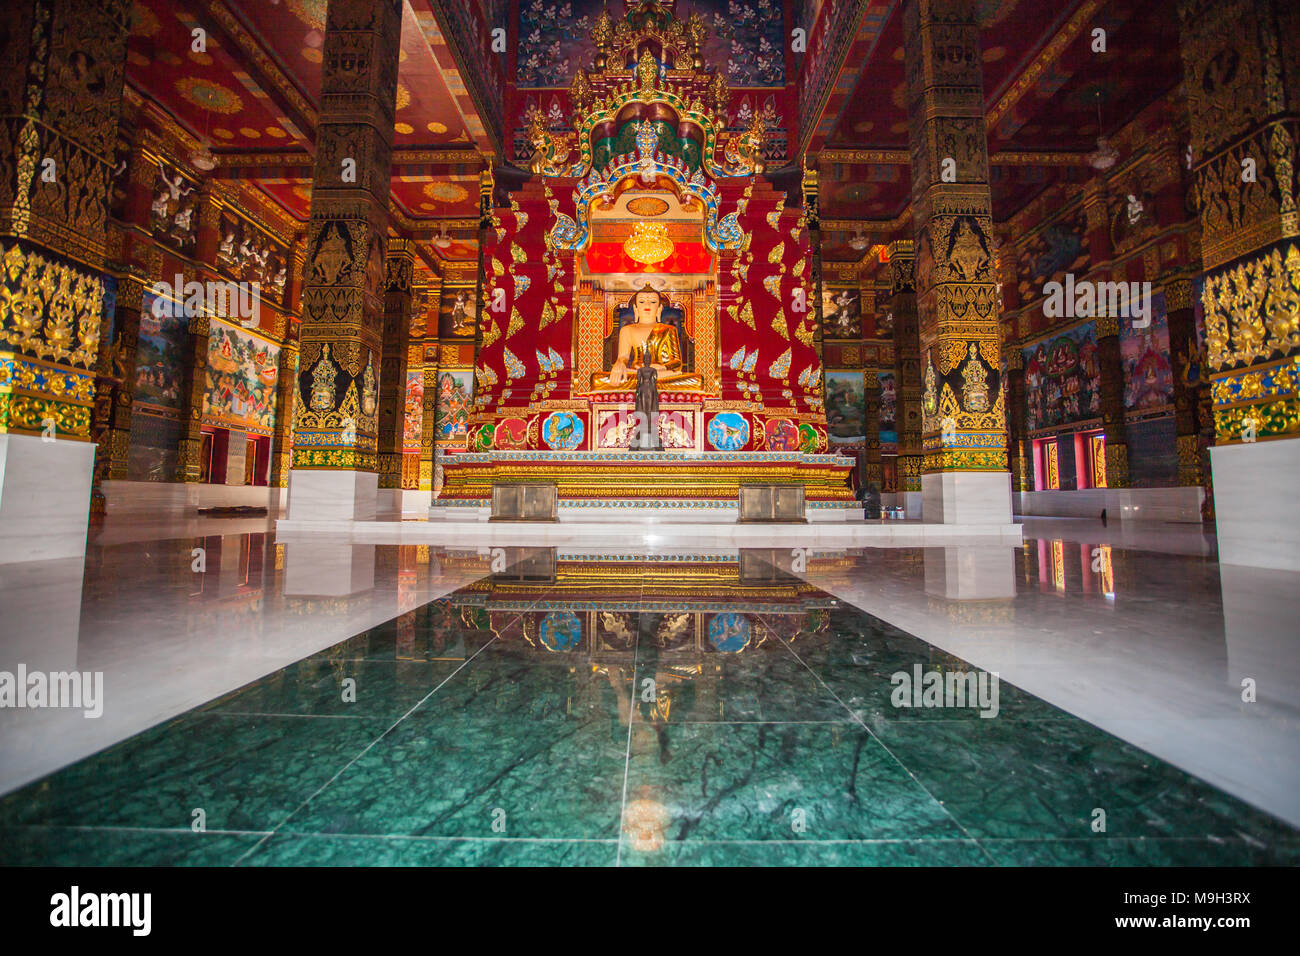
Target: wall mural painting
(888,413)
(455,388)
(160,356)
(747,35)
(841,314)
(1148,375)
(846,407)
(413,419)
(457,311)
(1051,252)
(1063,379)
(241,380)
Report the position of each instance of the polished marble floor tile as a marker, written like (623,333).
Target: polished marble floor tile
(425,714)
(1055,778)
(102,846)
(808,853)
(243,773)
(295,849)
(777,782)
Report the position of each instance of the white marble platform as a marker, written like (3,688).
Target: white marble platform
(1120,504)
(177,499)
(876,533)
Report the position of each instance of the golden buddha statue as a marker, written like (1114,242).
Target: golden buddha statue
(646,341)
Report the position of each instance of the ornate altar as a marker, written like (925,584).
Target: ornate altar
(647,236)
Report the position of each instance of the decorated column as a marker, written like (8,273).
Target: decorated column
(286,392)
(60,102)
(194,376)
(1193,414)
(965,478)
(1109,361)
(334,464)
(1013,360)
(399,269)
(1242,76)
(872,472)
(907,373)
(119,378)
(430,296)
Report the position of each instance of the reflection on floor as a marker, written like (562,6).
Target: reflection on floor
(660,707)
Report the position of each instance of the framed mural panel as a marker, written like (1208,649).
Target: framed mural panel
(846,406)
(1144,354)
(239,391)
(1062,379)
(451,423)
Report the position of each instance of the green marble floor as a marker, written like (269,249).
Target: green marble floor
(558,734)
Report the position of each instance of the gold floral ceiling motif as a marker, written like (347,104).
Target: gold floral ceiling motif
(209,95)
(647,206)
(445,192)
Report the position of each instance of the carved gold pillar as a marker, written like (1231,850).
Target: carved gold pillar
(429,298)
(1242,77)
(428,435)
(1109,362)
(1022,475)
(194,376)
(1193,417)
(965,478)
(1111,373)
(119,376)
(286,395)
(872,472)
(193,383)
(907,371)
(399,270)
(343,283)
(60,101)
(1018,442)
(812,213)
(286,392)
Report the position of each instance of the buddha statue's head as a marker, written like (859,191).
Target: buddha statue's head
(647,305)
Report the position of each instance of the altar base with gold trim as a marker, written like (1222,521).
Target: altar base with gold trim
(616,485)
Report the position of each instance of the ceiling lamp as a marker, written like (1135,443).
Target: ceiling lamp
(649,243)
(1105,155)
(202,159)
(858,242)
(442,240)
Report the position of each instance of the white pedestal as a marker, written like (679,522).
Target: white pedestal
(44,497)
(911,504)
(966,497)
(333,495)
(395,502)
(1255,503)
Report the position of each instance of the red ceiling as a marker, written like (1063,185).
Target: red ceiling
(1057,113)
(209,93)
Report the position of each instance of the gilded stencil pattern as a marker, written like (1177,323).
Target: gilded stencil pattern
(1252,310)
(50,310)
